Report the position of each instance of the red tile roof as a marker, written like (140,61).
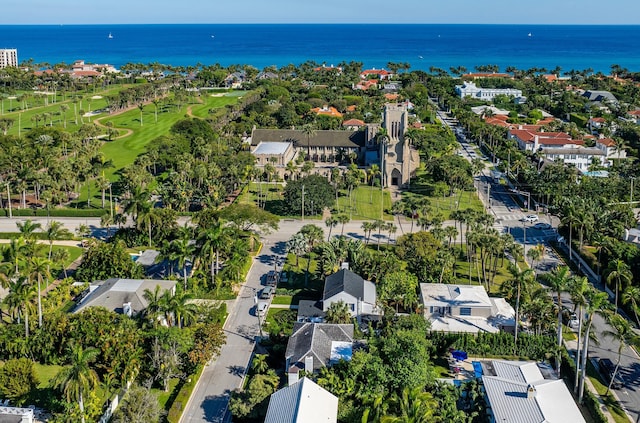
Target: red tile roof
(380,72)
(353,122)
(634,112)
(327,111)
(391,96)
(598,120)
(607,142)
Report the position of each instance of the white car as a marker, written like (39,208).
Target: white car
(531,218)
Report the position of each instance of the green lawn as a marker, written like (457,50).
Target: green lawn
(365,203)
(46,373)
(163,397)
(462,271)
(74,253)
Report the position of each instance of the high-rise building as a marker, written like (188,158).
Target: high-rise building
(8,57)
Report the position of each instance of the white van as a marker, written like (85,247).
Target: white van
(261,308)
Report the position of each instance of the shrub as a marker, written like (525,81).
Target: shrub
(177,407)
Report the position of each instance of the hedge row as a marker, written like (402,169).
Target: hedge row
(181,400)
(589,400)
(55,212)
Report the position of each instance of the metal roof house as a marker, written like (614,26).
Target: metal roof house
(302,402)
(125,296)
(519,392)
(312,346)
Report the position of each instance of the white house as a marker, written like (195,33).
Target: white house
(560,146)
(469,89)
(525,392)
(634,115)
(302,402)
(357,293)
(465,308)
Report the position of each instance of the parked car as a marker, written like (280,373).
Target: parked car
(531,218)
(607,368)
(261,308)
(272,278)
(267,292)
(542,225)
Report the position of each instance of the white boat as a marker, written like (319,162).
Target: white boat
(529,35)
(110,36)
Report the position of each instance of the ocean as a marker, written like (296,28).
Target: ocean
(261,45)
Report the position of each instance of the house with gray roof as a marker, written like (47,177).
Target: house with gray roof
(527,392)
(125,296)
(359,294)
(312,346)
(302,402)
(600,96)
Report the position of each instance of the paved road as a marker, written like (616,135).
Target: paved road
(500,201)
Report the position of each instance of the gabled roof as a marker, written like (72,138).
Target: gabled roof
(317,340)
(344,139)
(344,280)
(327,111)
(113,293)
(302,402)
(607,142)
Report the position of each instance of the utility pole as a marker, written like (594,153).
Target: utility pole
(303,202)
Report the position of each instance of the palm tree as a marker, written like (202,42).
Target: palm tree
(179,308)
(297,245)
(618,272)
(415,406)
(342,219)
(578,288)
(55,231)
(623,333)
(535,253)
(372,172)
(558,280)
(28,229)
(331,223)
(211,241)
(631,294)
(156,304)
(597,303)
(338,312)
(141,108)
(259,363)
(39,269)
(78,379)
(181,251)
(520,281)
(570,218)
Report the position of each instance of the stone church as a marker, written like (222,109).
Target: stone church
(384,145)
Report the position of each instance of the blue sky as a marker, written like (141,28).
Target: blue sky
(320,11)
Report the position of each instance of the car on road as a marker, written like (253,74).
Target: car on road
(267,292)
(542,225)
(261,308)
(607,368)
(530,218)
(272,278)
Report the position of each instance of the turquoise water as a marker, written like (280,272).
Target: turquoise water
(261,45)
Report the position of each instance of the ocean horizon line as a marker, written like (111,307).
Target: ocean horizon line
(330,24)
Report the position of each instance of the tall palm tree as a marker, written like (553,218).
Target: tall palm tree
(623,333)
(78,379)
(597,303)
(39,270)
(21,298)
(331,223)
(372,172)
(558,280)
(156,304)
(211,241)
(342,219)
(521,281)
(618,272)
(579,286)
(180,309)
(28,229)
(535,253)
(181,251)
